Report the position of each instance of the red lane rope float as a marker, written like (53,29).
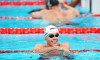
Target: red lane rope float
(18,18)
(95,15)
(72,51)
(28,18)
(41,30)
(2,3)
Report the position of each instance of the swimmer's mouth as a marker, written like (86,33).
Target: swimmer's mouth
(54,41)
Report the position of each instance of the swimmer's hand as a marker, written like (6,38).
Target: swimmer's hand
(65,53)
(60,50)
(61,1)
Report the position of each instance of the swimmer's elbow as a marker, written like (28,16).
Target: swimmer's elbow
(36,15)
(76,12)
(67,46)
(32,15)
(37,48)
(38,45)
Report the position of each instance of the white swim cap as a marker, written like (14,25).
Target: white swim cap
(50,29)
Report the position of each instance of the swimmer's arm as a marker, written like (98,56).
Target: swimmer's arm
(61,1)
(65,47)
(37,48)
(74,3)
(67,6)
(36,14)
(36,10)
(40,49)
(72,9)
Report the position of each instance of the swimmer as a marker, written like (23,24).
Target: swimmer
(72,4)
(46,7)
(55,15)
(52,47)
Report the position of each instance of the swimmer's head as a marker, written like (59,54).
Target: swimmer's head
(53,2)
(51,29)
(51,35)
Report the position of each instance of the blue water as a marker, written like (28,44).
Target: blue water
(28,41)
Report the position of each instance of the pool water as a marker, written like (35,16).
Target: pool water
(28,41)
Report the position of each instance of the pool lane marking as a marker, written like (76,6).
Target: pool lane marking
(30,3)
(28,18)
(41,30)
(72,51)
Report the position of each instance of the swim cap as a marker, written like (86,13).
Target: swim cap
(50,29)
(53,2)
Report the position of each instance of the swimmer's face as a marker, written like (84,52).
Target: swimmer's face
(52,38)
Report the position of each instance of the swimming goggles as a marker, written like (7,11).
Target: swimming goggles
(51,35)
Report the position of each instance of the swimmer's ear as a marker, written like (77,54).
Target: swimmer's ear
(45,38)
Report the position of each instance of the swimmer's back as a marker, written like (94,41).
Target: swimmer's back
(56,15)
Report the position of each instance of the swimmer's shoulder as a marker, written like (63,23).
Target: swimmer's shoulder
(44,10)
(39,45)
(64,44)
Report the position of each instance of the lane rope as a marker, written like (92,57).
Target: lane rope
(41,30)
(29,18)
(72,51)
(31,3)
